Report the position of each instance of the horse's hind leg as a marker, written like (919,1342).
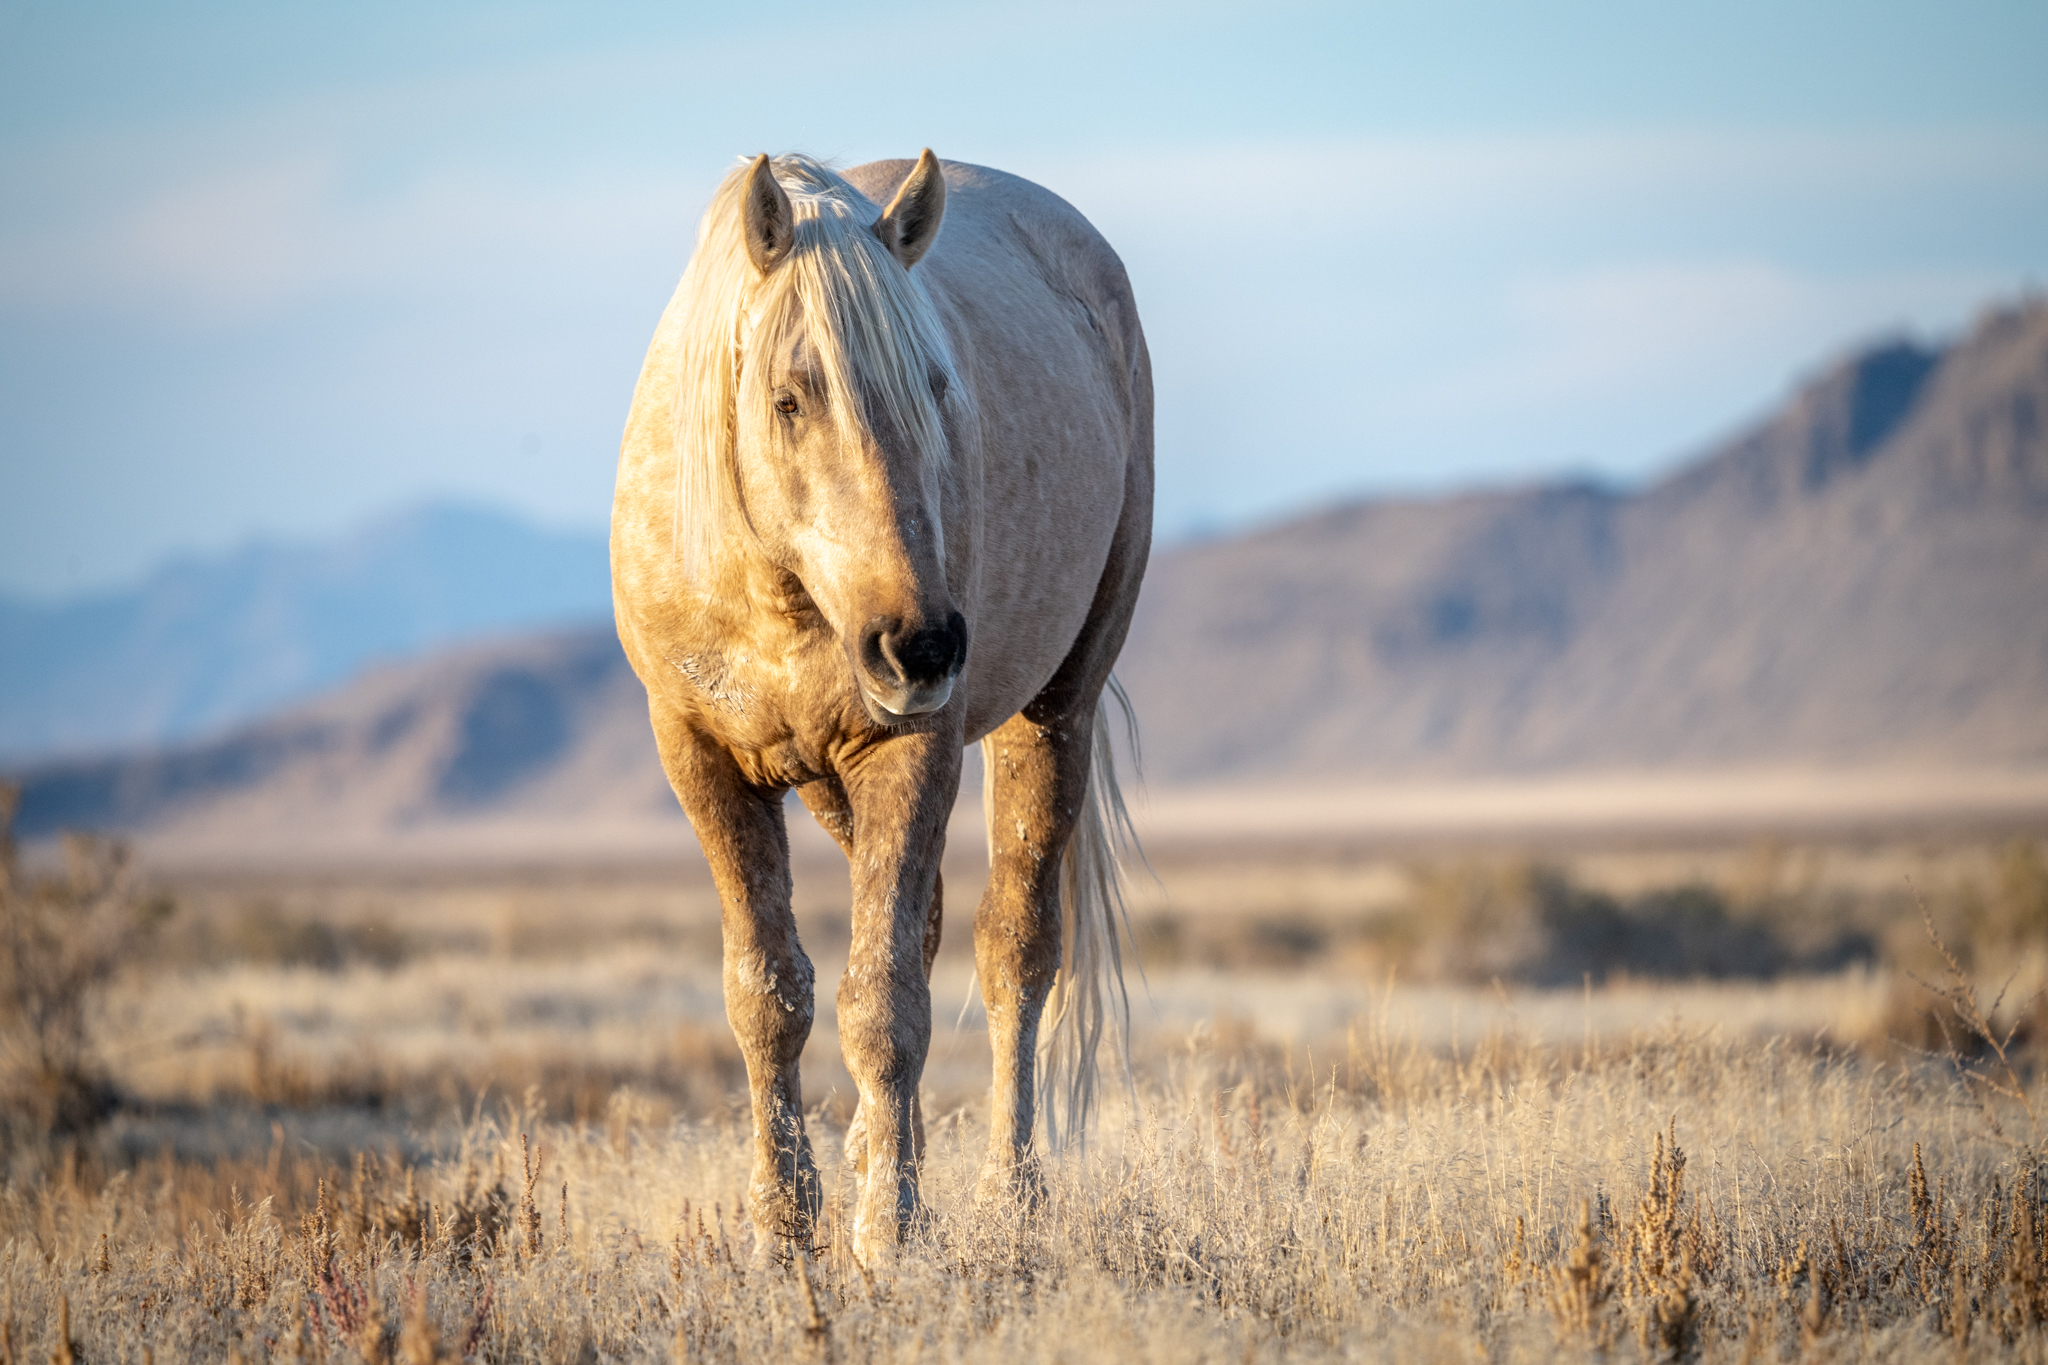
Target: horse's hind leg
(1038,766)
(1038,769)
(768,995)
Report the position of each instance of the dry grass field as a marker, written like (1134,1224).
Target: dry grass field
(1689,1099)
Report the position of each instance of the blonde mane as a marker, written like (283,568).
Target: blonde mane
(871,328)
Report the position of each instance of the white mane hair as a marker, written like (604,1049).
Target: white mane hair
(870,325)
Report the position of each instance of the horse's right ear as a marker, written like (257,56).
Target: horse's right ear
(766,220)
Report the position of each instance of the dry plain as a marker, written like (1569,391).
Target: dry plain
(1646,1094)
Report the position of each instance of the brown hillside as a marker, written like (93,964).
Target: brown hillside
(1862,578)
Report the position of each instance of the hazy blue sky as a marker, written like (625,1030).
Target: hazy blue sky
(270,267)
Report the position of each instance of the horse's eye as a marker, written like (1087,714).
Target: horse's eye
(785,404)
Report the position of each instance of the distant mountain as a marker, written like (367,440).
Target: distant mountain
(1860,580)
(204,643)
(549,728)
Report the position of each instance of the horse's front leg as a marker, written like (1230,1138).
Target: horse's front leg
(901,792)
(826,798)
(768,992)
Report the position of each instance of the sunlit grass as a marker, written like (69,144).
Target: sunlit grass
(437,1141)
(1676,1187)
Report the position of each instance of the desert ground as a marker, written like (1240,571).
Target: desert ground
(1649,1092)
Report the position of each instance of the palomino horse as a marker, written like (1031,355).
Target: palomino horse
(885,492)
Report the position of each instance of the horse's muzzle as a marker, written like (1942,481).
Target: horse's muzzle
(910,672)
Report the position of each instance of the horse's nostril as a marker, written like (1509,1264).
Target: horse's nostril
(915,658)
(875,654)
(926,655)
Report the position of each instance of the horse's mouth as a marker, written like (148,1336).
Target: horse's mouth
(903,705)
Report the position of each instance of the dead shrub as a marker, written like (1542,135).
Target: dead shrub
(265,933)
(62,939)
(1528,922)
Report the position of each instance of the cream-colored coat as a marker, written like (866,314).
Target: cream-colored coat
(866,607)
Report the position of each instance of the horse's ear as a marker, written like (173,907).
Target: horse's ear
(911,222)
(766,220)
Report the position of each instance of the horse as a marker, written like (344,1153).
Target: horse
(885,492)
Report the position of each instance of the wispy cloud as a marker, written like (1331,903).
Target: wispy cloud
(1641,329)
(1506,186)
(253,242)
(439,256)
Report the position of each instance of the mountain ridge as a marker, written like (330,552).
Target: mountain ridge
(1860,578)
(204,643)
(1567,625)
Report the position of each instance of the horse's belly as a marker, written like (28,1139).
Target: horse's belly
(1046,542)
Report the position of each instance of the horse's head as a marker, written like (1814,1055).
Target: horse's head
(842,440)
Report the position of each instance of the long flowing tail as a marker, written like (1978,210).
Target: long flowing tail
(1088,995)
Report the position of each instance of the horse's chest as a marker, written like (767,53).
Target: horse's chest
(781,705)
(718,682)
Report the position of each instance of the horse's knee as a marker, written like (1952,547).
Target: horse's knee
(884,1025)
(769,1001)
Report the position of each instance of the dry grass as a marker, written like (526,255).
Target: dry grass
(492,1143)
(1678,1193)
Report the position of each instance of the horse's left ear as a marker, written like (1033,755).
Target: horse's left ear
(910,224)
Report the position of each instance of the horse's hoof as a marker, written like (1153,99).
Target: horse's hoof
(782,1214)
(876,1248)
(1016,1185)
